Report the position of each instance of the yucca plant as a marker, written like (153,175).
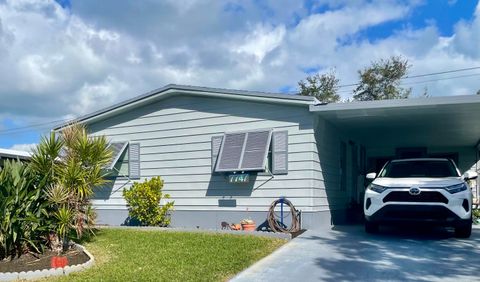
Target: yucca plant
(72,163)
(64,223)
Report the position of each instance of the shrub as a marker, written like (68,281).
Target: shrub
(143,201)
(47,202)
(71,164)
(23,211)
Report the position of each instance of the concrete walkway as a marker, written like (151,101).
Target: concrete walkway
(347,253)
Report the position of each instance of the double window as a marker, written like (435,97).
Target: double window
(256,151)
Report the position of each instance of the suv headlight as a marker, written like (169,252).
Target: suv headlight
(377,188)
(456,188)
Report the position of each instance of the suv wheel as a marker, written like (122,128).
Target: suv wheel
(371,227)
(463,231)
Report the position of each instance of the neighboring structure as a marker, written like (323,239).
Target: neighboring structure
(7,154)
(226,155)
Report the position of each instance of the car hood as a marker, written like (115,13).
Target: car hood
(421,181)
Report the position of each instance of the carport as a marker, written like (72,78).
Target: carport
(371,132)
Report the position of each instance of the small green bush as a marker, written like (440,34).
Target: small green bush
(143,201)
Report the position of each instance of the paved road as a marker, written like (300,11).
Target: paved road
(347,253)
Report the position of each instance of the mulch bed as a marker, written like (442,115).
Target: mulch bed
(29,262)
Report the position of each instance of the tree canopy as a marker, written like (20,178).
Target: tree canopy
(324,87)
(381,80)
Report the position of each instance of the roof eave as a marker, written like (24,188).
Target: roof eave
(170,90)
(398,103)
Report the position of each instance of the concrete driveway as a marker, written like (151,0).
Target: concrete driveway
(347,253)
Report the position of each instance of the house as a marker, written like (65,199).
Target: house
(226,154)
(7,154)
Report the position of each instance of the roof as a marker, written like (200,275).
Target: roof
(14,154)
(174,89)
(433,121)
(396,103)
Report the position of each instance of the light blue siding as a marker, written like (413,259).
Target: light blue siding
(327,168)
(175,137)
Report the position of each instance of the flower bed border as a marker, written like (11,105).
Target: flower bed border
(48,272)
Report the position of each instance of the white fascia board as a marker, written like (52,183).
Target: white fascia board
(397,103)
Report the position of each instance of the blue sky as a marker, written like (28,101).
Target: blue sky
(65,58)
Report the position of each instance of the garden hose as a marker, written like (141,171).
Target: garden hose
(273,219)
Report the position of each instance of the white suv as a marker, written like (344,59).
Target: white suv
(420,190)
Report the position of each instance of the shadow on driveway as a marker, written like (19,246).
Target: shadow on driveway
(402,253)
(347,253)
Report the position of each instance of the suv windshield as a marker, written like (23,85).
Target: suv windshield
(419,168)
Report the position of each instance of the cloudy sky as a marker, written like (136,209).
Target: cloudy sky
(61,59)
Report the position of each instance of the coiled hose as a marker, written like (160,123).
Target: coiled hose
(276,225)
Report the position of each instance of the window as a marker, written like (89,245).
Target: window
(251,151)
(419,168)
(244,151)
(125,160)
(121,166)
(118,149)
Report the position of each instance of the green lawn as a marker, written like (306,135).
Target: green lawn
(146,255)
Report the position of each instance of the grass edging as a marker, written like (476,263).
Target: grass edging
(49,272)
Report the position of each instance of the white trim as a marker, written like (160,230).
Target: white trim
(15,154)
(397,103)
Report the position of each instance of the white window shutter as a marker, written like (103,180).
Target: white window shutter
(134,160)
(216,144)
(280,152)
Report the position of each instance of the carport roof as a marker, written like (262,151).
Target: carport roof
(433,121)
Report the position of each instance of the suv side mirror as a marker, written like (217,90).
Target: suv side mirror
(371,175)
(469,175)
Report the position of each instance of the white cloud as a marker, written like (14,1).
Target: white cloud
(56,63)
(467,36)
(23,147)
(101,94)
(262,41)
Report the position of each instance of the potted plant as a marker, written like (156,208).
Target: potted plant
(248,225)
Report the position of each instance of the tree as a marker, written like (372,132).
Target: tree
(324,87)
(71,165)
(478,92)
(381,80)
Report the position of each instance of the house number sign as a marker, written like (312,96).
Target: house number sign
(238,178)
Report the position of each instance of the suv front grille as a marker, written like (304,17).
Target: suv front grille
(423,197)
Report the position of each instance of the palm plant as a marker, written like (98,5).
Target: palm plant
(72,163)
